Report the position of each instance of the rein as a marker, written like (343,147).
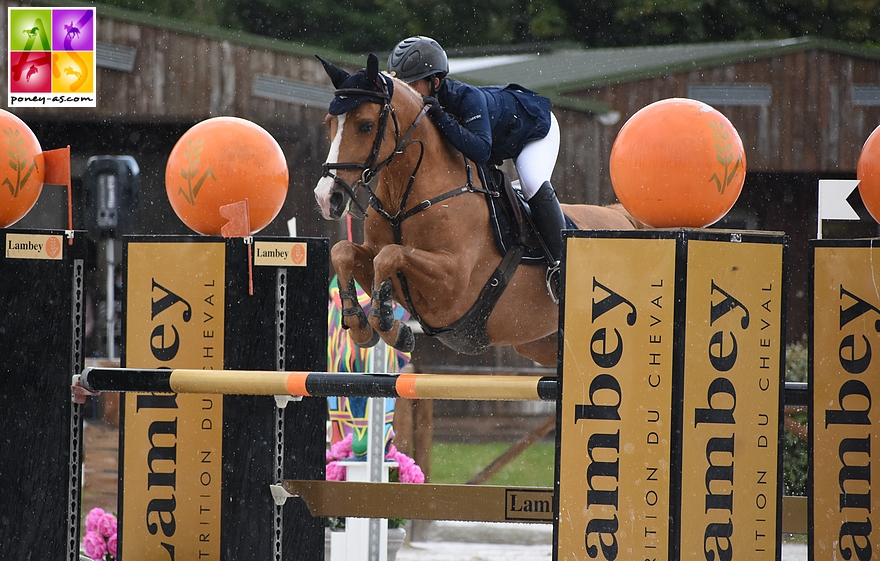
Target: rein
(371,168)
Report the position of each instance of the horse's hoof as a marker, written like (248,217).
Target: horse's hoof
(383,306)
(406,341)
(371,343)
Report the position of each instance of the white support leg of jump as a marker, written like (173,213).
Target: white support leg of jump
(366,539)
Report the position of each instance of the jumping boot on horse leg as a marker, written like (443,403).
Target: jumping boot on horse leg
(383,310)
(356,311)
(549,221)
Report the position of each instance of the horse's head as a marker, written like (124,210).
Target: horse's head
(358,119)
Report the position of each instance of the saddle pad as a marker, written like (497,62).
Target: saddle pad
(499,218)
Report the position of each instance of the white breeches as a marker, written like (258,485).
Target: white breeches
(535,163)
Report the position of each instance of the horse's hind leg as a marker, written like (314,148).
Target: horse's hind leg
(393,331)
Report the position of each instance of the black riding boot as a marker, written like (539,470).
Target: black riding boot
(549,221)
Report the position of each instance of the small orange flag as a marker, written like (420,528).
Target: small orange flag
(56,171)
(57,166)
(239,225)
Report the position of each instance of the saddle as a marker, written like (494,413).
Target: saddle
(510,216)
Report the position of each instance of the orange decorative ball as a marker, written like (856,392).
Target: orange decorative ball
(678,163)
(221,161)
(868,174)
(21,168)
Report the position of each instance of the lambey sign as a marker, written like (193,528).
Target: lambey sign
(614,439)
(844,380)
(172,467)
(730,491)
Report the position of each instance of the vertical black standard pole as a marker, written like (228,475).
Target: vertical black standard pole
(282,326)
(41,348)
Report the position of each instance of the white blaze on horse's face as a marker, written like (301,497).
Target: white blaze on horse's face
(324,189)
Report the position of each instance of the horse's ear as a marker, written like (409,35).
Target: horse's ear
(337,75)
(373,69)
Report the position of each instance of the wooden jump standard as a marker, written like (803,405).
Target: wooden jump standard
(321,384)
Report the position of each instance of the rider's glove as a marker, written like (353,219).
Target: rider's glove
(435,110)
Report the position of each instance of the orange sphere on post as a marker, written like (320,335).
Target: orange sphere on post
(868,174)
(678,163)
(22,169)
(221,161)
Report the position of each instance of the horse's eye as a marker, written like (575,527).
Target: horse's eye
(366,126)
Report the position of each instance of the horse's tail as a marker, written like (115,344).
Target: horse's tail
(636,223)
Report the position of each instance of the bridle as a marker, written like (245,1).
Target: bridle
(372,166)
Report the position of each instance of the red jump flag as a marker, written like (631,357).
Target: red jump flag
(57,172)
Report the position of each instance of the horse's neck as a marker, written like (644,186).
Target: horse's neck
(442,169)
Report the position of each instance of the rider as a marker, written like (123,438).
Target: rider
(491,124)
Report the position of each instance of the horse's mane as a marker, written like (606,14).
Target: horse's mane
(401,85)
(415,98)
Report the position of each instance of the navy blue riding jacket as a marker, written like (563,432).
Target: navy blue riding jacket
(491,123)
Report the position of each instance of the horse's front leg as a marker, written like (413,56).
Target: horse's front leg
(424,272)
(352,263)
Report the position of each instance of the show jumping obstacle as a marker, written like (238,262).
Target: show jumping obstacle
(484,503)
(321,384)
(652,369)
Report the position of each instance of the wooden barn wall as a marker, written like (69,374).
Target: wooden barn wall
(810,125)
(578,177)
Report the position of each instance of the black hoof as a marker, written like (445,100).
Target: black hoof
(406,341)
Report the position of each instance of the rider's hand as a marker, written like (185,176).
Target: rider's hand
(434,108)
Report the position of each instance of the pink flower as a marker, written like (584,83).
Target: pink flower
(111,545)
(107,525)
(409,471)
(341,450)
(94,545)
(335,472)
(92,519)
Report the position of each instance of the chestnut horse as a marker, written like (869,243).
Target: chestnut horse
(427,238)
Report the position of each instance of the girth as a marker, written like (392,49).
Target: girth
(468,334)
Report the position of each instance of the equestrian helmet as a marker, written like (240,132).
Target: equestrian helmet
(417,57)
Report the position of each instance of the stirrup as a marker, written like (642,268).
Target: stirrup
(552,280)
